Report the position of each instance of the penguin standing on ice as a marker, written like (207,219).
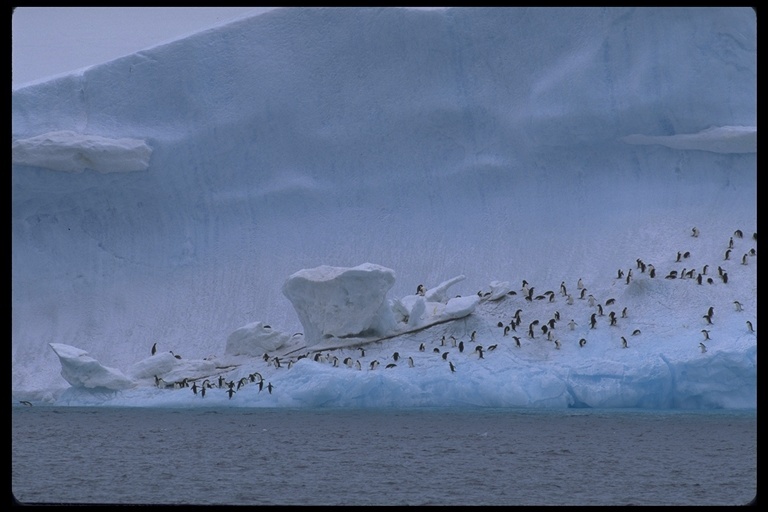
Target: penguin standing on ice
(410,362)
(749,326)
(269,388)
(154,349)
(230,392)
(461,346)
(738,305)
(593,321)
(727,254)
(695,232)
(453,368)
(517,341)
(624,342)
(572,324)
(703,347)
(705,333)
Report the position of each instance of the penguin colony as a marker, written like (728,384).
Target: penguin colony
(535,325)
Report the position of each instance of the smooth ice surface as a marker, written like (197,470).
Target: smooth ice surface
(545,144)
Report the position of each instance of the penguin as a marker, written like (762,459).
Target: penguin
(624,342)
(544,329)
(652,271)
(705,333)
(221,381)
(390,365)
(569,300)
(420,290)
(744,259)
(154,349)
(445,356)
(500,324)
(727,254)
(686,254)
(572,324)
(374,364)
(679,255)
(620,274)
(738,234)
(421,347)
(551,323)
(704,270)
(362,351)
(517,316)
(563,290)
(261,385)
(629,278)
(358,366)
(25,402)
(453,368)
(335,362)
(436,350)
(583,293)
(708,319)
(624,313)
(492,347)
(194,387)
(582,342)
(699,279)
(410,362)
(479,350)
(593,321)
(557,316)
(580,284)
(473,335)
(396,356)
(599,310)
(317,357)
(749,326)
(591,301)
(754,236)
(725,277)
(609,302)
(348,362)
(202,392)
(239,384)
(738,305)
(506,330)
(710,281)
(613,318)
(549,335)
(672,275)
(636,332)
(442,341)
(517,341)
(461,346)
(730,244)
(269,388)
(695,232)
(711,311)
(230,392)
(174,355)
(557,344)
(276,361)
(703,347)
(752,252)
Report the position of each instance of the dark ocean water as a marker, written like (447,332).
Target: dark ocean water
(383,457)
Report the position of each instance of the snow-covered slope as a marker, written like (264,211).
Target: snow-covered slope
(499,144)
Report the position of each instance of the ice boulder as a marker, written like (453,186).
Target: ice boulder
(74,152)
(171,369)
(341,302)
(83,371)
(254,339)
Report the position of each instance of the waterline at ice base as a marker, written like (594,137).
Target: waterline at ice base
(363,207)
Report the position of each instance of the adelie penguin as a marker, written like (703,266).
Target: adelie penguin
(738,305)
(269,388)
(703,347)
(705,333)
(582,342)
(517,341)
(154,349)
(453,368)
(624,342)
(749,326)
